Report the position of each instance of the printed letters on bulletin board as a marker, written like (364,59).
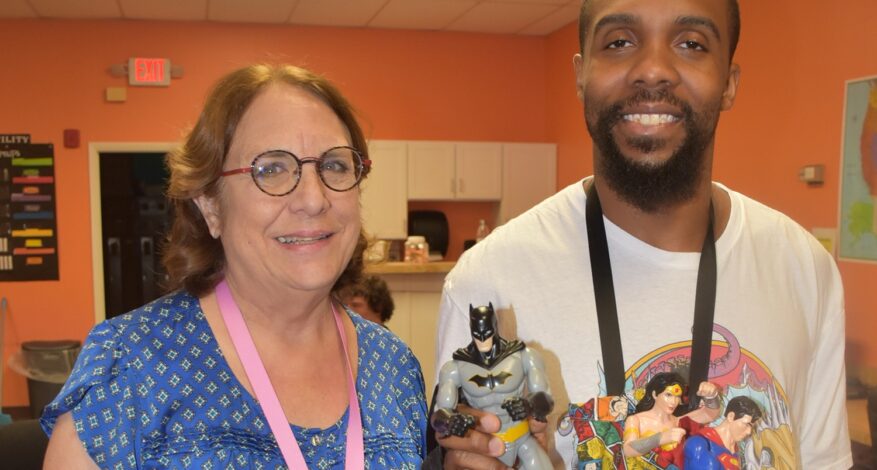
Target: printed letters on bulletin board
(28,225)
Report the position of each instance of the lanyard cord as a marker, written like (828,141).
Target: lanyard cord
(267,397)
(607,310)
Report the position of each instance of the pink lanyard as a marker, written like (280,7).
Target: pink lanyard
(243,344)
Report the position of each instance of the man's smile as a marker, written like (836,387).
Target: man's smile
(650,119)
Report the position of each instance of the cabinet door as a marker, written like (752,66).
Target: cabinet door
(424,326)
(414,321)
(400,322)
(385,190)
(479,171)
(431,170)
(529,173)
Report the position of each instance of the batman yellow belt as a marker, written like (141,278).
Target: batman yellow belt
(514,433)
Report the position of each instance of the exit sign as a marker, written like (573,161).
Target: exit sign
(144,71)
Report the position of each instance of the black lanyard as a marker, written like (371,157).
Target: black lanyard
(607,311)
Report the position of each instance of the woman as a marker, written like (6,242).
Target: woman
(656,428)
(252,340)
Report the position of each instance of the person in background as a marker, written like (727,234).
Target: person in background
(248,362)
(370,298)
(654,77)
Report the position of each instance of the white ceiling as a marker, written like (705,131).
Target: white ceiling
(532,17)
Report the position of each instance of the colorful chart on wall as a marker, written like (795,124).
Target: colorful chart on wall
(28,225)
(858,189)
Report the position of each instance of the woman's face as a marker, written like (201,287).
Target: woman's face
(302,240)
(669,399)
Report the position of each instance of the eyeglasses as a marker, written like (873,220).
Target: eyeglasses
(278,172)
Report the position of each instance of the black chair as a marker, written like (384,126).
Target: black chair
(22,445)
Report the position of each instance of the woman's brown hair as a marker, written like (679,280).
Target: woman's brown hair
(194,260)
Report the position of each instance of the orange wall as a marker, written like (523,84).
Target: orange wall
(420,85)
(463,220)
(406,85)
(795,57)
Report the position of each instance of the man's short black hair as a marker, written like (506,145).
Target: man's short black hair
(733,27)
(743,406)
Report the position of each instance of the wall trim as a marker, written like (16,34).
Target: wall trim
(97,252)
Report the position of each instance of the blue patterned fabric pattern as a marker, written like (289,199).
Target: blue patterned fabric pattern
(151,389)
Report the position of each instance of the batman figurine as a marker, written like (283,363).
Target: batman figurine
(492,374)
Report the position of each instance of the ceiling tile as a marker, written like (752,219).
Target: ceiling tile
(554,21)
(76,9)
(539,2)
(335,12)
(536,17)
(250,11)
(16,9)
(502,18)
(180,10)
(421,14)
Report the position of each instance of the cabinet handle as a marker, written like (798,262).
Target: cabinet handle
(462,191)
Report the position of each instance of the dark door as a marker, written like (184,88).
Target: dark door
(135,216)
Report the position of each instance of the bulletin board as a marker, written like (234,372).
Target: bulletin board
(28,223)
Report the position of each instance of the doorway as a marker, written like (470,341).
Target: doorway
(130,217)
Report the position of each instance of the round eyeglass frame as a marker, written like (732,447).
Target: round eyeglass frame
(364,164)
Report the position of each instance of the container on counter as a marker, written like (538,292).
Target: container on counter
(416,249)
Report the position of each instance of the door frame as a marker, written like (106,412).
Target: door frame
(97,250)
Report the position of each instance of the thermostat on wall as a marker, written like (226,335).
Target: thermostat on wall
(145,71)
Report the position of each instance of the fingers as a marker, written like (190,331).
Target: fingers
(538,427)
(676,434)
(539,431)
(484,421)
(479,449)
(707,389)
(476,442)
(468,460)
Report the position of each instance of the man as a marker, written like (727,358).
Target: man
(654,76)
(715,448)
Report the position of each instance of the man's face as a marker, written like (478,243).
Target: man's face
(654,76)
(483,346)
(359,304)
(740,428)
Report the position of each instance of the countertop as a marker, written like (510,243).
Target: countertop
(857,414)
(395,267)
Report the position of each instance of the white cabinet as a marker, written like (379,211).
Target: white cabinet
(479,171)
(467,171)
(415,321)
(385,190)
(415,317)
(529,175)
(431,173)
(516,175)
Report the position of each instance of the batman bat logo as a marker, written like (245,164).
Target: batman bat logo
(490,381)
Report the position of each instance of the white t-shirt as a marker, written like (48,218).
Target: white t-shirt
(779,318)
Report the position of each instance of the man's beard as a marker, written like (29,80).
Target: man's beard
(645,185)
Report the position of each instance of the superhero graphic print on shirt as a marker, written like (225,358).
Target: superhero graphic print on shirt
(735,370)
(598,426)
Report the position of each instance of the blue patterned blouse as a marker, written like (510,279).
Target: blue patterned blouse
(151,389)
